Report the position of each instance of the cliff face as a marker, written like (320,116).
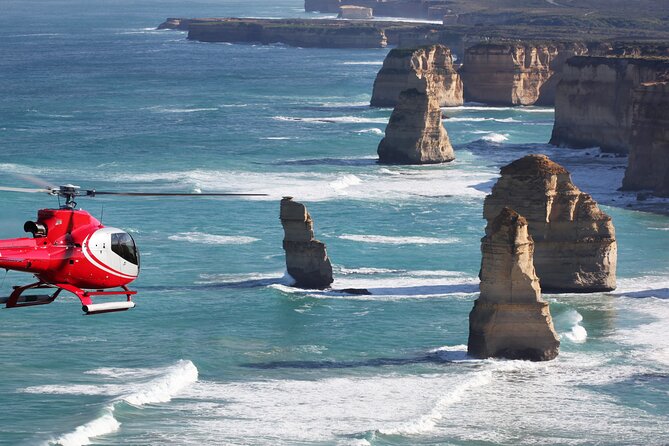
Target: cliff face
(506,74)
(648,164)
(428,69)
(593,105)
(302,33)
(575,245)
(415,134)
(509,318)
(306,258)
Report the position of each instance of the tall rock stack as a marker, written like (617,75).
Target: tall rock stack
(425,69)
(576,249)
(648,165)
(306,258)
(415,133)
(506,74)
(510,319)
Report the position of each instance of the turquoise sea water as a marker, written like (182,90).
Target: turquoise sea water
(220,349)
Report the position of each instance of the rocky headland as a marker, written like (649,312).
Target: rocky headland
(594,103)
(424,69)
(306,258)
(415,133)
(575,244)
(510,319)
(648,164)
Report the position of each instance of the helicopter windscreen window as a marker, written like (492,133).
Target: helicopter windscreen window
(123,245)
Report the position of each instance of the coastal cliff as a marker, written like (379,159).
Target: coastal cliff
(424,69)
(510,319)
(293,32)
(575,244)
(594,104)
(648,165)
(306,258)
(514,74)
(415,133)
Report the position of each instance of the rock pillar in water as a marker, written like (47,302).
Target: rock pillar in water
(575,242)
(306,258)
(510,319)
(415,134)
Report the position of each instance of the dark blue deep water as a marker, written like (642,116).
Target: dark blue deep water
(220,349)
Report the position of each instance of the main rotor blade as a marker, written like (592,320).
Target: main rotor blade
(22,189)
(172,194)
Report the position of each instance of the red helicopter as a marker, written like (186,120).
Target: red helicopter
(71,250)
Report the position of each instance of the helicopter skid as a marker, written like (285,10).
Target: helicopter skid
(17,300)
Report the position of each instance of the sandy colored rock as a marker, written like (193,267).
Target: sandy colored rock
(575,244)
(306,258)
(354,12)
(428,69)
(506,74)
(510,319)
(415,133)
(648,164)
(594,100)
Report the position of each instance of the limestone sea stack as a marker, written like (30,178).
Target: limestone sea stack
(415,133)
(594,100)
(575,243)
(648,164)
(306,258)
(506,74)
(510,319)
(425,69)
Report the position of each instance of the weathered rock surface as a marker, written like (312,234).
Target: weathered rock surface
(415,133)
(575,244)
(354,12)
(428,69)
(593,105)
(514,74)
(306,258)
(510,319)
(648,164)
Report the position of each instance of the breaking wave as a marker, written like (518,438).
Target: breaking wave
(211,239)
(334,120)
(406,240)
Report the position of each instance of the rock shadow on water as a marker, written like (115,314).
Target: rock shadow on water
(433,357)
(406,291)
(657,293)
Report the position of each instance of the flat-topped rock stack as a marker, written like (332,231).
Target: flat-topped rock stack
(415,133)
(648,164)
(306,258)
(575,244)
(510,319)
(428,69)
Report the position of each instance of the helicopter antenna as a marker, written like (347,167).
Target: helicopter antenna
(102,212)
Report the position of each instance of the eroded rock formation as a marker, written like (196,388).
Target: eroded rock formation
(593,105)
(306,258)
(510,319)
(575,244)
(506,74)
(424,69)
(648,165)
(354,12)
(415,133)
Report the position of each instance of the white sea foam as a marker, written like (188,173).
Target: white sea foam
(277,138)
(212,239)
(182,110)
(373,130)
(578,333)
(495,137)
(405,240)
(344,182)
(474,119)
(334,120)
(163,385)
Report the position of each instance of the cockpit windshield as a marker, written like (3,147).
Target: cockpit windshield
(123,245)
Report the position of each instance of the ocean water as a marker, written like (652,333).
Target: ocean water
(220,349)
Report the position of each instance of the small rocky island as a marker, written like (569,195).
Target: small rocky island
(510,319)
(306,258)
(575,242)
(415,133)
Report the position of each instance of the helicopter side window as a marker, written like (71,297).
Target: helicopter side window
(123,245)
